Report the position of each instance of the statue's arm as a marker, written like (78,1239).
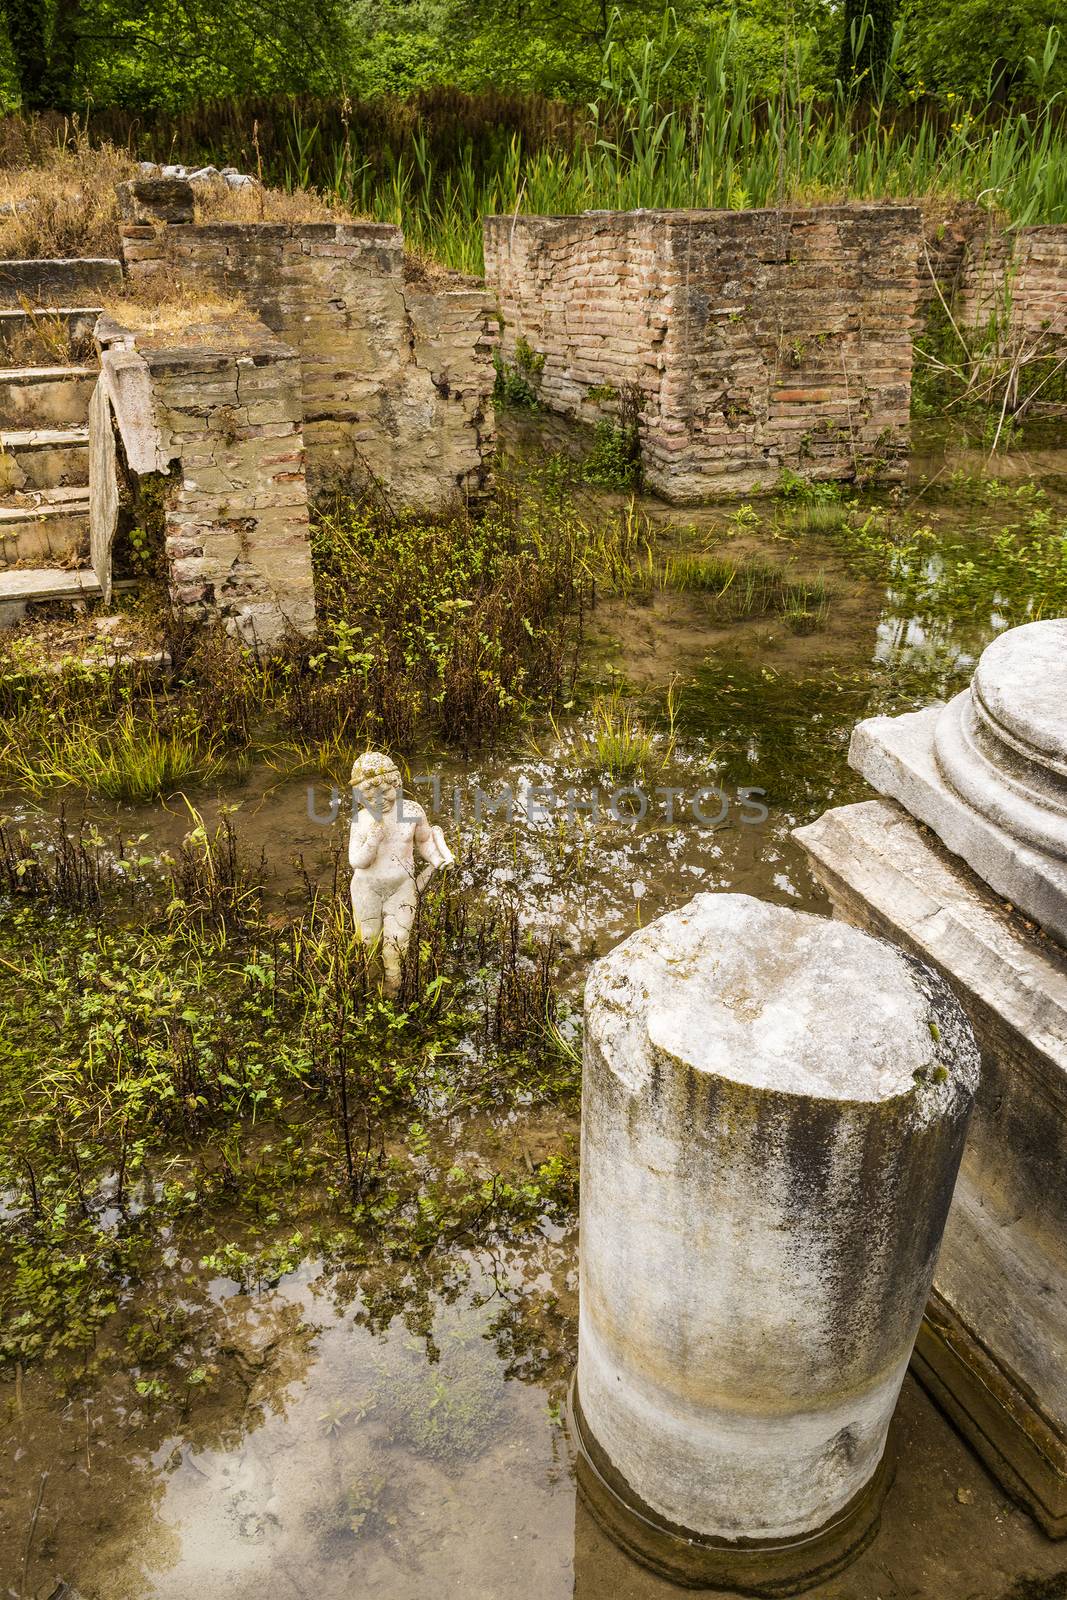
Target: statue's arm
(430,843)
(364,837)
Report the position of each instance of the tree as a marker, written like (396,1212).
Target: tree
(172,52)
(26,31)
(960,49)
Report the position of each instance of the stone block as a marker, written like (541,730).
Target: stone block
(149,199)
(46,283)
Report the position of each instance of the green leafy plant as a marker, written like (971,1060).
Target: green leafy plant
(517,380)
(614,742)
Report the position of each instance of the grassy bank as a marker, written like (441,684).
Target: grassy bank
(730,148)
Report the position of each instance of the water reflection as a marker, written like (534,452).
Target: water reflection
(329,1442)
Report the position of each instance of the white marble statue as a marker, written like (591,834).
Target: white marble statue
(386,832)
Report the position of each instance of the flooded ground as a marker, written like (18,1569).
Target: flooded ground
(396,1425)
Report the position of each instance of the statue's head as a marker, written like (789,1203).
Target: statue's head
(377,777)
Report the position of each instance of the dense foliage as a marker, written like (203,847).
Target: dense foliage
(199,1050)
(145,53)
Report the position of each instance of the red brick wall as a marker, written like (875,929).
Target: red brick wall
(758,340)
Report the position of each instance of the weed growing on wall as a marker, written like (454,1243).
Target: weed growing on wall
(60,194)
(516,383)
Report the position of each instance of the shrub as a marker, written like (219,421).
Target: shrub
(63,199)
(459,623)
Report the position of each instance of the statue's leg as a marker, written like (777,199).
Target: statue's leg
(366,910)
(398,918)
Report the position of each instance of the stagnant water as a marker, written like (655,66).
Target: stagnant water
(401,1433)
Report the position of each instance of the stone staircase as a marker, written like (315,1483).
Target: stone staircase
(47,313)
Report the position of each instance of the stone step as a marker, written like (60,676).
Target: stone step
(44,458)
(65,324)
(69,282)
(45,397)
(30,585)
(45,528)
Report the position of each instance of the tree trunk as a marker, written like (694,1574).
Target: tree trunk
(63,55)
(866,43)
(26,32)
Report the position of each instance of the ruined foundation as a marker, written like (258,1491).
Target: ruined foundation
(1017,280)
(774,1108)
(215,423)
(396,366)
(752,342)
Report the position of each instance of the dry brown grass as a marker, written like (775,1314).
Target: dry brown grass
(159,306)
(65,192)
(217,202)
(426,272)
(47,341)
(61,190)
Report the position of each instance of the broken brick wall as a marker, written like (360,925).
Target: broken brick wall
(757,341)
(396,367)
(1018,280)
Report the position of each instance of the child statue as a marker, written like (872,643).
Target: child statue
(386,832)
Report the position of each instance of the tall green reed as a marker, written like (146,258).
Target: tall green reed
(730,148)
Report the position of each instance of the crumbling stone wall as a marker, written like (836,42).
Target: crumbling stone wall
(1018,279)
(756,341)
(396,367)
(219,417)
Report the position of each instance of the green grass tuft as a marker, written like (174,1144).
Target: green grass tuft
(739,591)
(134,759)
(615,742)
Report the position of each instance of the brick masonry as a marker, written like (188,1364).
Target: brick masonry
(396,367)
(1018,280)
(220,418)
(756,341)
(948,234)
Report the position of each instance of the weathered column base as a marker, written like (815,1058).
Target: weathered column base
(992,1349)
(746,1567)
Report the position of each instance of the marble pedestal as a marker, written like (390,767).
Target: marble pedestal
(988,771)
(993,1344)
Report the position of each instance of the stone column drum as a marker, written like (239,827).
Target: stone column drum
(774,1109)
